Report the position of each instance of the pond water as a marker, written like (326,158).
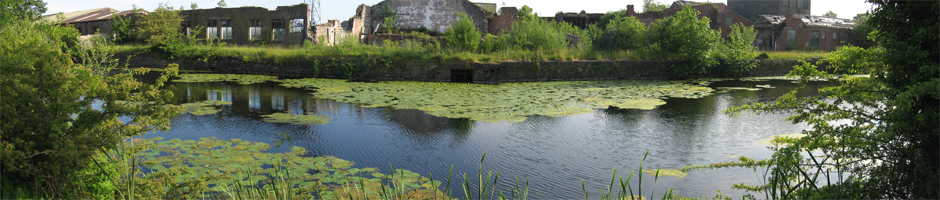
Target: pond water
(554,153)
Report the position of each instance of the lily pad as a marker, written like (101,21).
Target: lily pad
(203,107)
(504,102)
(666,172)
(297,119)
(243,79)
(222,163)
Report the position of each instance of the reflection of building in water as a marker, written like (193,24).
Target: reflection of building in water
(295,106)
(227,93)
(254,98)
(212,95)
(277,100)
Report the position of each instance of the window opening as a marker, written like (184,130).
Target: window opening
(296,25)
(254,30)
(277,29)
(212,29)
(226,29)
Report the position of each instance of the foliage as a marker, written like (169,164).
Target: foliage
(122,28)
(222,4)
(160,29)
(463,35)
(535,34)
(629,33)
(57,114)
(389,19)
(653,6)
(494,44)
(686,38)
(193,5)
(610,16)
(873,136)
(860,35)
(21,9)
(503,102)
(737,53)
(830,14)
(763,56)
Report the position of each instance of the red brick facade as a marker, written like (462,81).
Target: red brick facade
(805,32)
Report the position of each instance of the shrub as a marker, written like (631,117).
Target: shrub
(687,38)
(462,35)
(737,52)
(763,56)
(628,33)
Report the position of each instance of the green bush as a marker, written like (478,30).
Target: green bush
(763,56)
(736,54)
(532,33)
(628,33)
(463,35)
(50,129)
(687,38)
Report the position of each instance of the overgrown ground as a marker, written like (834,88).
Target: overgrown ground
(410,51)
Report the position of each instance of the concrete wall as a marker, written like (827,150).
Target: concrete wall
(240,22)
(384,69)
(436,15)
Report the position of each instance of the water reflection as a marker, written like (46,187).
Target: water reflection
(556,153)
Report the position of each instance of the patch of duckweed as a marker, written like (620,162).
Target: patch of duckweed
(204,107)
(738,88)
(245,163)
(666,172)
(781,139)
(504,102)
(297,119)
(243,79)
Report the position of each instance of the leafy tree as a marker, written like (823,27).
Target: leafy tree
(737,53)
(875,136)
(123,30)
(861,32)
(609,16)
(463,35)
(57,114)
(653,6)
(193,6)
(21,9)
(686,38)
(830,14)
(222,4)
(629,33)
(160,29)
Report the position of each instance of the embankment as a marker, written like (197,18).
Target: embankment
(445,71)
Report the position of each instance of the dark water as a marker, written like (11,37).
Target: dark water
(554,153)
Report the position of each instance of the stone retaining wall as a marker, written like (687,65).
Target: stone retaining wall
(383,69)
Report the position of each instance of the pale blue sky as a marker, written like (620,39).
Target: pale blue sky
(344,9)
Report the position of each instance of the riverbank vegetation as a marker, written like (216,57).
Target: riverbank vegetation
(531,38)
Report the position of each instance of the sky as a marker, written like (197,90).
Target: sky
(344,9)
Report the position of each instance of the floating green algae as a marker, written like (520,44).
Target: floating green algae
(738,88)
(504,102)
(297,119)
(233,161)
(243,79)
(666,172)
(203,107)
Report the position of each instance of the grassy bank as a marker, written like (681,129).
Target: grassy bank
(411,51)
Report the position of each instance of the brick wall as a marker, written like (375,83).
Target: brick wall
(503,21)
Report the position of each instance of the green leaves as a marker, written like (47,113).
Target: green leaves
(463,35)
(244,79)
(297,119)
(503,102)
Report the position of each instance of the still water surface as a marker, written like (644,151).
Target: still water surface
(554,153)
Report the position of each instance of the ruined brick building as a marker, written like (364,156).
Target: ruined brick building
(803,32)
(245,25)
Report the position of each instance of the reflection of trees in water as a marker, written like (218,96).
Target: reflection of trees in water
(424,127)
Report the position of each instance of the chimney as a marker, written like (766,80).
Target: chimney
(630,10)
